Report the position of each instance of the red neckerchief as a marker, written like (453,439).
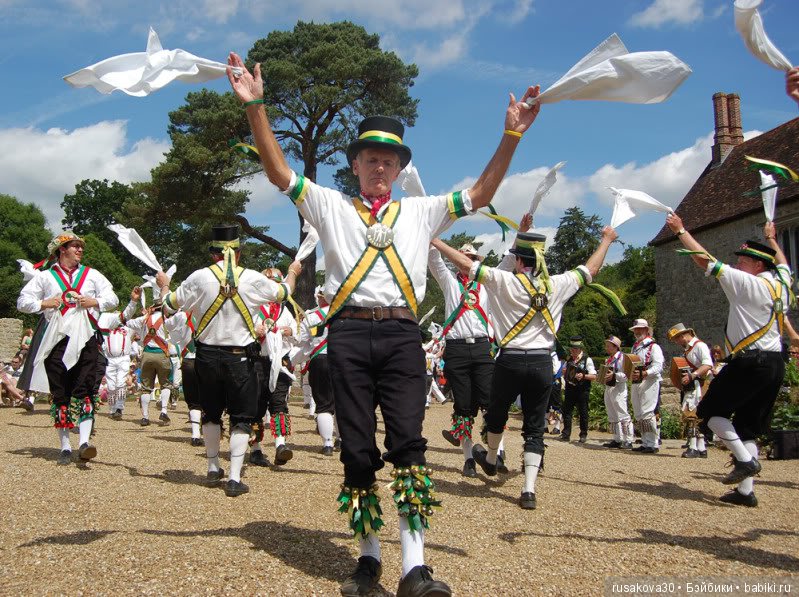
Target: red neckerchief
(377,202)
(69,272)
(274,311)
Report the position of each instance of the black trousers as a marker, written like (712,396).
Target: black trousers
(78,381)
(377,363)
(102,363)
(469,369)
(319,380)
(275,402)
(530,376)
(745,391)
(576,395)
(191,386)
(227,381)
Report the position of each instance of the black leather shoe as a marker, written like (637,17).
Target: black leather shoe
(419,583)
(739,499)
(117,414)
(197,442)
(626,446)
(364,579)
(501,468)
(144,422)
(164,419)
(447,434)
(649,450)
(214,478)
(26,405)
(87,452)
(702,453)
(257,458)
(479,453)
(283,454)
(337,444)
(234,488)
(741,471)
(612,444)
(527,501)
(583,439)
(469,468)
(563,438)
(690,453)
(327,451)
(65,457)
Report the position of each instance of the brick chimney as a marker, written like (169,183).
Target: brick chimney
(727,116)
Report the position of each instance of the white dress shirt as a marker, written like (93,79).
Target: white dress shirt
(43,286)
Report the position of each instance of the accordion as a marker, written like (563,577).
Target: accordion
(630,364)
(679,367)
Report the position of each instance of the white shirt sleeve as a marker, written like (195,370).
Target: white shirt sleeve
(32,294)
(656,366)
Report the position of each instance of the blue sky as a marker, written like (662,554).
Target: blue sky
(470,55)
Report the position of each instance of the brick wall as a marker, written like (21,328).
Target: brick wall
(10,336)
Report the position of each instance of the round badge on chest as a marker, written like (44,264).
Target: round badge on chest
(470,300)
(70,298)
(379,236)
(540,301)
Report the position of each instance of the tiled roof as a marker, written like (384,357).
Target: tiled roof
(719,194)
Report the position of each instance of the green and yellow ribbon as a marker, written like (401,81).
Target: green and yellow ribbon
(773,167)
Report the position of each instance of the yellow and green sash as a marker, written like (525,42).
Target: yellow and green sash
(368,259)
(777,313)
(531,312)
(226,292)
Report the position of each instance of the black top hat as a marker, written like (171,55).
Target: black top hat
(222,236)
(526,243)
(380,132)
(756,250)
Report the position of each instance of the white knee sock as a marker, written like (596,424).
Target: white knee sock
(165,399)
(370,546)
(466,446)
(726,432)
(312,407)
(85,430)
(700,443)
(324,424)
(238,448)
(212,432)
(63,436)
(280,440)
(692,443)
(145,406)
(501,447)
(194,417)
(494,442)
(122,393)
(747,486)
(650,439)
(532,462)
(412,546)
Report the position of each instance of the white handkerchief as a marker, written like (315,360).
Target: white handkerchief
(769,194)
(609,72)
(28,271)
(629,203)
(309,242)
(545,186)
(750,25)
(134,243)
(141,73)
(410,181)
(426,316)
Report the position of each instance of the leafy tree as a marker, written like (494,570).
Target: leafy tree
(576,239)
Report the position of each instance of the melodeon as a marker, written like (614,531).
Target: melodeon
(571,372)
(631,363)
(602,373)
(679,367)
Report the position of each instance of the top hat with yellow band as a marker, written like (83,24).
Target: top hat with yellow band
(224,236)
(380,132)
(527,243)
(756,250)
(677,329)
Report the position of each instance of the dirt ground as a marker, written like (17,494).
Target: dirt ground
(137,519)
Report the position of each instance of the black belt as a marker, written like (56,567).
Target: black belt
(230,349)
(531,351)
(468,340)
(376,313)
(752,352)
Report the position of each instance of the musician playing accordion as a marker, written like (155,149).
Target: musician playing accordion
(690,371)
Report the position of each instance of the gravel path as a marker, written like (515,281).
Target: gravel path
(138,520)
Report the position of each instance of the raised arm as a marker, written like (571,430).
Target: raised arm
(674,222)
(596,260)
(518,118)
(250,88)
(792,83)
(461,261)
(770,232)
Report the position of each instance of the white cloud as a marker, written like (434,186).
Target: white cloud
(448,51)
(41,167)
(220,12)
(665,12)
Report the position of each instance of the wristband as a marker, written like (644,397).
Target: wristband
(513,133)
(681,231)
(255,101)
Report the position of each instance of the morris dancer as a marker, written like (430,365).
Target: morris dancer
(312,345)
(71,296)
(277,333)
(615,396)
(374,343)
(116,348)
(155,358)
(580,372)
(697,354)
(737,405)
(181,328)
(646,386)
(229,297)
(524,365)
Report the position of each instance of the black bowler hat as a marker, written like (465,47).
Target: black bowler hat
(756,250)
(380,132)
(223,236)
(576,342)
(527,243)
